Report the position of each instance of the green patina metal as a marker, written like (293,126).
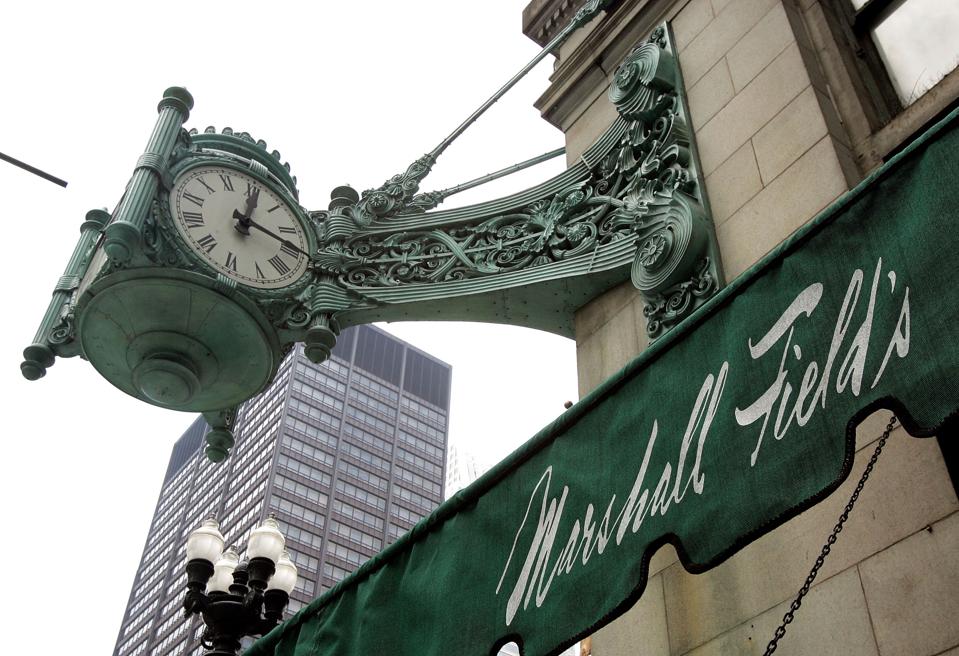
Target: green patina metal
(186,344)
(195,291)
(124,232)
(399,193)
(634,200)
(55,335)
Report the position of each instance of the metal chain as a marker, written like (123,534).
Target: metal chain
(830,541)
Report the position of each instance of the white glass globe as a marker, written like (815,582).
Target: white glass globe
(223,572)
(205,543)
(285,577)
(266,541)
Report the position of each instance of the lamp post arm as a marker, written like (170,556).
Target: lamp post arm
(274,601)
(198,573)
(194,603)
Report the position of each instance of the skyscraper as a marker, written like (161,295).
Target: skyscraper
(462,468)
(348,455)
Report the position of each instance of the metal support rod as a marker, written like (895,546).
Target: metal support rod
(489,177)
(398,193)
(584,15)
(32,169)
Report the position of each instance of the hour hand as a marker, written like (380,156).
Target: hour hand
(245,218)
(242,222)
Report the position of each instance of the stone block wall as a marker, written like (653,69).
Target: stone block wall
(774,153)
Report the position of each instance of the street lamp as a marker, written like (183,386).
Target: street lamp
(237,599)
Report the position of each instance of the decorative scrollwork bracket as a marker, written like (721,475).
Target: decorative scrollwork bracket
(676,267)
(634,205)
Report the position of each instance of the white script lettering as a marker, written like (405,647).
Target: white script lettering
(815,382)
(539,570)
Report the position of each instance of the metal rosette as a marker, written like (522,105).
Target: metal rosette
(641,80)
(673,239)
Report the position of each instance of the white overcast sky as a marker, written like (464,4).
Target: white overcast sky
(348,92)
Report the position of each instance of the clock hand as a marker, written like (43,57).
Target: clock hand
(245,218)
(285,242)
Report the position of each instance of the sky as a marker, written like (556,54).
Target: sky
(349,93)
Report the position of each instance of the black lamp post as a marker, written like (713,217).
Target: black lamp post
(237,599)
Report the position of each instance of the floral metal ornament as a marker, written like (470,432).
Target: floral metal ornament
(675,266)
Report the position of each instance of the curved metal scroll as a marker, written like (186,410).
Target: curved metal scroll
(633,207)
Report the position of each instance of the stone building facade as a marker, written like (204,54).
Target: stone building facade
(791,107)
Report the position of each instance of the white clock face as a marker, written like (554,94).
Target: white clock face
(240,227)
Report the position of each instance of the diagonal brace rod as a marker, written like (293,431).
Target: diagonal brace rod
(489,177)
(584,15)
(32,169)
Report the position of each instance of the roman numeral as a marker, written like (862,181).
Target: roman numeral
(287,230)
(196,200)
(231,261)
(207,243)
(250,188)
(259,271)
(227,182)
(208,188)
(289,250)
(193,219)
(279,265)
(275,207)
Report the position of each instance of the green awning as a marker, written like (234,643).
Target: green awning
(731,424)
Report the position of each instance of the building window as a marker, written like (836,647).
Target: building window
(915,41)
(305,586)
(346,554)
(303,561)
(303,469)
(334,573)
(890,67)
(356,535)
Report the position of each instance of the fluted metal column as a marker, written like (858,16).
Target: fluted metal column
(40,355)
(124,234)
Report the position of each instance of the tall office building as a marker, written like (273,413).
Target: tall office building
(348,455)
(462,468)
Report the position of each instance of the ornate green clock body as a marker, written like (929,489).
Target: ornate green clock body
(196,320)
(238,225)
(208,271)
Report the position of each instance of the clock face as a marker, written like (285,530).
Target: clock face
(240,227)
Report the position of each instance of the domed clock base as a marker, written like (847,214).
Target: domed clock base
(168,338)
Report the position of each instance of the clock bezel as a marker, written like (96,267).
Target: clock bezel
(206,159)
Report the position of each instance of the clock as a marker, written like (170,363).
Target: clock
(240,226)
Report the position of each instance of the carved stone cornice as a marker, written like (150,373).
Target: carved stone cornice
(543,19)
(583,75)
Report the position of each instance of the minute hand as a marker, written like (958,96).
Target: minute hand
(285,242)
